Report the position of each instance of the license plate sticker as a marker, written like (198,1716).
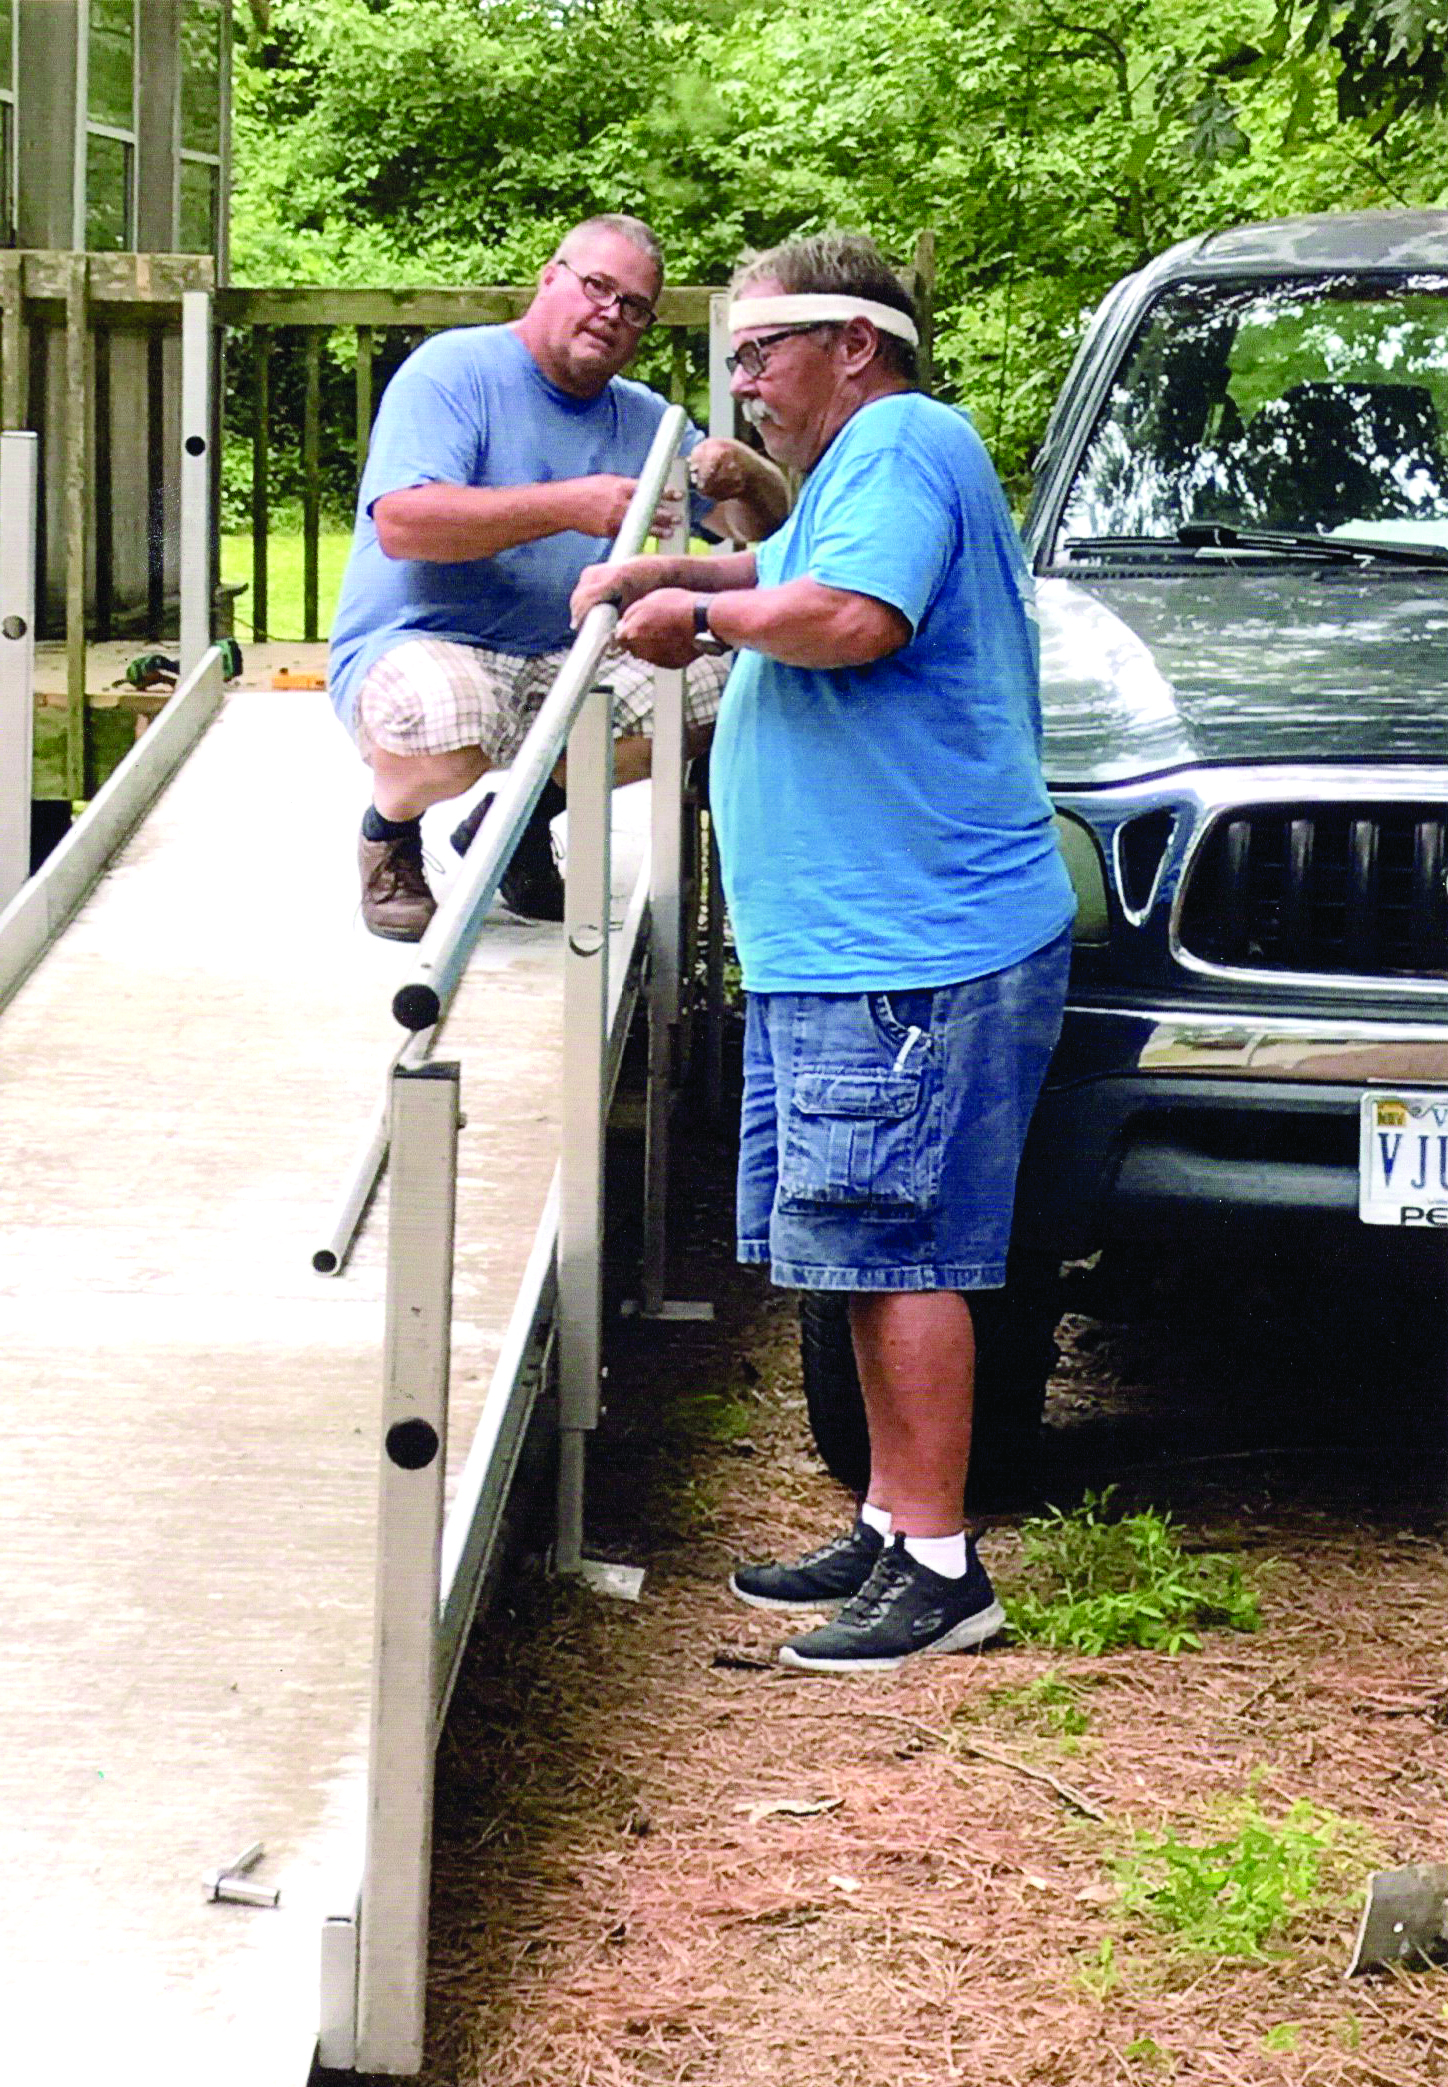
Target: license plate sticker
(1403,1158)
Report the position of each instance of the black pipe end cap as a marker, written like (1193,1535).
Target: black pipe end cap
(416,1006)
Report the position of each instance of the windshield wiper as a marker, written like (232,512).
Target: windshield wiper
(1225,537)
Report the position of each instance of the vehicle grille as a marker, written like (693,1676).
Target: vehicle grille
(1353,888)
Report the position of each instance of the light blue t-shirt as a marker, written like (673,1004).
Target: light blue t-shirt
(887,827)
(472,408)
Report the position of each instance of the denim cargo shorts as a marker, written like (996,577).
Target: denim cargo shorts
(881,1132)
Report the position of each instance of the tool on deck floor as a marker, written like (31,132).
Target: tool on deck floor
(230,1883)
(156,669)
(1405,1920)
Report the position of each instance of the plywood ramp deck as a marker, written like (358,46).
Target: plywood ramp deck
(188,1483)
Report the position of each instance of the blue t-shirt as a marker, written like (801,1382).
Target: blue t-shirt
(887,827)
(472,408)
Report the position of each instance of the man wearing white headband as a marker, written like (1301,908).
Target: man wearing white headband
(503,459)
(900,906)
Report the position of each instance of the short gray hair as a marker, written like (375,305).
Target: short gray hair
(843,264)
(633,229)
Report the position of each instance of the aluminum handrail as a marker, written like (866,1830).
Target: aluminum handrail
(443,953)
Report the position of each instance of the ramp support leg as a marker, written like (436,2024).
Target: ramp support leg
(18,466)
(665,941)
(585,1038)
(392,1941)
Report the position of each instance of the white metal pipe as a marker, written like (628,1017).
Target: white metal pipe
(392,1939)
(41,908)
(18,471)
(665,912)
(347,1212)
(196,462)
(444,950)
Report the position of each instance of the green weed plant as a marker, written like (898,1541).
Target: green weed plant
(1098,1581)
(1051,1705)
(1235,1895)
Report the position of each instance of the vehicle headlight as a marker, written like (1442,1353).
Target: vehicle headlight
(1087,871)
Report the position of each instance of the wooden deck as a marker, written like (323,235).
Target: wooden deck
(188,1488)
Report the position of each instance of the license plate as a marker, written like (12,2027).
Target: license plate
(1403,1159)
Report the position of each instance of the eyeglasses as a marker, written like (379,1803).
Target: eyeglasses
(753,356)
(636,312)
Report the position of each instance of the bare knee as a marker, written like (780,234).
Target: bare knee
(404,785)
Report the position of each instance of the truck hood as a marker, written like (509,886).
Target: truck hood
(1190,666)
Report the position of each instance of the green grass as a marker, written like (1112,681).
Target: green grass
(1096,1582)
(1051,1706)
(284,579)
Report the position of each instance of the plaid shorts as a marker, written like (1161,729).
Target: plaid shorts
(432,696)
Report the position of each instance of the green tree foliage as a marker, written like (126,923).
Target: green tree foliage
(1049,147)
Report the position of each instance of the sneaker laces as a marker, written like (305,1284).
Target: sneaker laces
(828,1553)
(892,1572)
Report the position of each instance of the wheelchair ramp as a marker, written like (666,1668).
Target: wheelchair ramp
(189,1485)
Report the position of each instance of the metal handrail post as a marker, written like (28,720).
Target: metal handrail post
(18,469)
(392,1939)
(195,477)
(721,422)
(587,902)
(665,940)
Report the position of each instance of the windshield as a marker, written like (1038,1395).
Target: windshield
(1315,406)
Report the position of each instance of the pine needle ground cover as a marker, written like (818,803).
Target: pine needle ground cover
(662,1859)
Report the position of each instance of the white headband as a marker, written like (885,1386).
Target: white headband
(819,309)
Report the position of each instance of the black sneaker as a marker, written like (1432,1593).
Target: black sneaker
(902,1608)
(531,886)
(832,1573)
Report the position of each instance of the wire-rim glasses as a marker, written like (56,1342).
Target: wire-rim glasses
(636,312)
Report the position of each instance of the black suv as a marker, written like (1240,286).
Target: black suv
(1240,537)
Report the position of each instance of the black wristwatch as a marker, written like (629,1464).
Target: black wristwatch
(704,638)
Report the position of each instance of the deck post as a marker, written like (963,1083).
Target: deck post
(665,937)
(196,423)
(392,1940)
(585,1043)
(18,467)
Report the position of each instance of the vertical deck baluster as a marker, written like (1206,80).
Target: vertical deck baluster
(261,341)
(155,482)
(364,396)
(105,519)
(311,480)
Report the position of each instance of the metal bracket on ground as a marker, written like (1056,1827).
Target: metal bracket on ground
(229,1883)
(623,1582)
(1405,1919)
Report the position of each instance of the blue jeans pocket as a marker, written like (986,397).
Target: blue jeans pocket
(859,1139)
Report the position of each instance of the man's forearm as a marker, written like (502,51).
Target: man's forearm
(805,624)
(716,575)
(448,524)
(758,511)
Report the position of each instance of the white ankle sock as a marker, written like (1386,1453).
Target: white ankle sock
(876,1518)
(943,1554)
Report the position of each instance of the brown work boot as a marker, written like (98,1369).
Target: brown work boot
(396,901)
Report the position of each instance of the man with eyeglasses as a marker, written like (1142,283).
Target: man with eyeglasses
(502,462)
(900,906)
